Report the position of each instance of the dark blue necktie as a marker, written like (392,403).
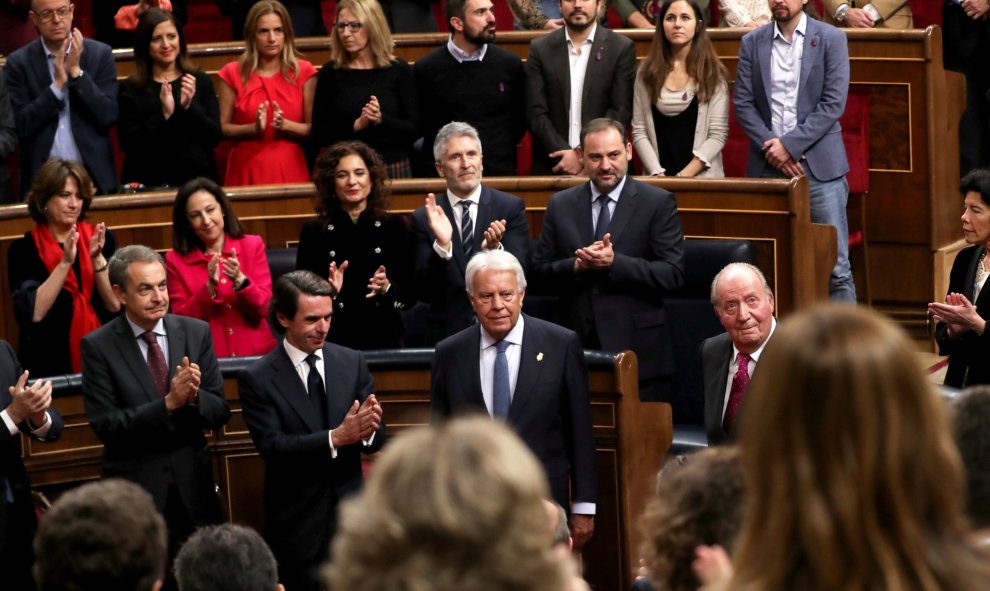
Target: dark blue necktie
(317,391)
(604,217)
(500,384)
(467,229)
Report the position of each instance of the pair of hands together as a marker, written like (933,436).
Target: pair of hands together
(261,119)
(29,401)
(184,387)
(958,314)
(778,157)
(230,267)
(377,284)
(444,231)
(70,248)
(360,422)
(186,94)
(68,65)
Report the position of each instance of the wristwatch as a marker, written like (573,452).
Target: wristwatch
(840,12)
(81,72)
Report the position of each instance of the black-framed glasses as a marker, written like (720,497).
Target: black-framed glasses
(49,15)
(352,26)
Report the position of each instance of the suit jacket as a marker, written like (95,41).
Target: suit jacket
(142,441)
(715,356)
(8,141)
(17,519)
(824,84)
(964,39)
(303,485)
(93,104)
(896,14)
(550,410)
(969,353)
(608,89)
(441,282)
(625,304)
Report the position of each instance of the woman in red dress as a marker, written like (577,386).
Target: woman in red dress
(266,102)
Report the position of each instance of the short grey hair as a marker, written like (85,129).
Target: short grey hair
(449,132)
(493,260)
(122,259)
(716,301)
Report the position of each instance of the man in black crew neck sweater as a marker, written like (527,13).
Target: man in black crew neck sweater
(471,80)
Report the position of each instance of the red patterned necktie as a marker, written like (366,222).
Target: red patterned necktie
(739,382)
(156,362)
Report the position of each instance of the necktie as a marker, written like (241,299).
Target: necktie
(156,363)
(604,217)
(739,382)
(467,229)
(500,384)
(317,391)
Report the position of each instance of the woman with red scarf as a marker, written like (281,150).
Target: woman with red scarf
(58,271)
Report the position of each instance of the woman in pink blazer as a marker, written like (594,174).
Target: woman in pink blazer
(217,273)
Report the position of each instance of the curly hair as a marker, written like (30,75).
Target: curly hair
(698,502)
(50,180)
(702,62)
(326,168)
(422,523)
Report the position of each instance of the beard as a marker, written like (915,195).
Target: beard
(485,35)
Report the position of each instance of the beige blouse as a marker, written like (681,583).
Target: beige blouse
(736,13)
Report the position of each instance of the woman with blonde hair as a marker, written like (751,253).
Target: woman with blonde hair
(266,102)
(364,92)
(853,480)
(681,98)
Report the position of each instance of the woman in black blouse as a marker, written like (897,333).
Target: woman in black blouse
(169,117)
(362,249)
(364,93)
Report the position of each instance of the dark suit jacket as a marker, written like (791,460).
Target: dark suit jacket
(17,519)
(550,409)
(303,485)
(625,304)
(963,38)
(608,89)
(715,355)
(8,141)
(822,93)
(142,442)
(969,355)
(93,104)
(441,282)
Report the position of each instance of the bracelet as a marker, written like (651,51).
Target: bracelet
(102,269)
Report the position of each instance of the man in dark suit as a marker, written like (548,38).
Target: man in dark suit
(791,88)
(966,41)
(613,248)
(311,411)
(8,142)
(493,220)
(64,93)
(25,409)
(471,79)
(744,304)
(528,373)
(573,75)
(150,413)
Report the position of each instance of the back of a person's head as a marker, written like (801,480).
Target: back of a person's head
(971,426)
(100,536)
(456,507)
(698,502)
(226,558)
(852,479)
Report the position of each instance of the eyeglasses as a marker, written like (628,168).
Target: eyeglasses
(353,26)
(49,15)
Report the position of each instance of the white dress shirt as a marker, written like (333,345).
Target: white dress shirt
(513,354)
(613,200)
(785,77)
(462,56)
(455,205)
(754,358)
(578,58)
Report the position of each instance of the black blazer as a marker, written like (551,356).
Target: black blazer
(142,442)
(608,89)
(303,485)
(969,355)
(625,304)
(93,104)
(441,282)
(550,409)
(17,519)
(715,355)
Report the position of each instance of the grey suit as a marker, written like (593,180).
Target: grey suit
(816,140)
(608,89)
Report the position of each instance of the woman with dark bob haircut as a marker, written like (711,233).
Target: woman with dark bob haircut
(217,273)
(169,116)
(961,332)
(58,271)
(354,232)
(853,480)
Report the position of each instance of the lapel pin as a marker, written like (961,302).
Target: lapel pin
(539,356)
(814,41)
(330,227)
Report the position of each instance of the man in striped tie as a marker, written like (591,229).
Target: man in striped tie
(451,227)
(744,305)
